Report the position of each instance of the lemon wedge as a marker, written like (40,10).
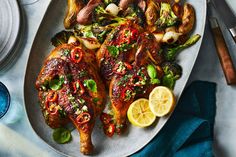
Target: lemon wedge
(139,113)
(161,101)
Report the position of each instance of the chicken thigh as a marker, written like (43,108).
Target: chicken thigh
(70,89)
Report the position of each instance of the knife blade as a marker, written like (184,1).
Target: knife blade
(221,47)
(227,16)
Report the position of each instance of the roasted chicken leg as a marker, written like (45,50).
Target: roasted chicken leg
(135,81)
(70,89)
(123,59)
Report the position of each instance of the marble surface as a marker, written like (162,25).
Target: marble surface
(19,140)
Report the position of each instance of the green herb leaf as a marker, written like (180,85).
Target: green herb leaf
(61,135)
(155,81)
(55,84)
(66,52)
(113,50)
(125,47)
(91,85)
(95,100)
(151,71)
(83,74)
(62,113)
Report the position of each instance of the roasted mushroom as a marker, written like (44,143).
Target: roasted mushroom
(188,19)
(73,8)
(151,12)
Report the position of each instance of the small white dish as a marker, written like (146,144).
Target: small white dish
(10,25)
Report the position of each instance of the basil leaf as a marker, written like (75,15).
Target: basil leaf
(151,71)
(55,84)
(61,135)
(91,85)
(114,51)
(155,81)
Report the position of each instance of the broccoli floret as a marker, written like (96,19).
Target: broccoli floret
(84,31)
(171,53)
(103,18)
(61,38)
(106,2)
(102,35)
(167,16)
(133,12)
(172,72)
(94,31)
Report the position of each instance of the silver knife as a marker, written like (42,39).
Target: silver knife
(227,16)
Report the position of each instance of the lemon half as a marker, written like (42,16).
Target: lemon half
(139,113)
(161,101)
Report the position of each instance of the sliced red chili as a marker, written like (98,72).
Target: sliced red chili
(105,118)
(136,80)
(76,55)
(124,95)
(52,110)
(109,129)
(134,34)
(52,96)
(121,68)
(119,71)
(47,104)
(120,129)
(78,87)
(83,118)
(85,128)
(128,66)
(128,35)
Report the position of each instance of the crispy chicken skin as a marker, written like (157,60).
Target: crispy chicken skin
(126,72)
(134,82)
(125,37)
(73,101)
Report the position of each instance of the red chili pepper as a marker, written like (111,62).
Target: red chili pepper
(135,79)
(47,105)
(105,118)
(125,36)
(121,129)
(109,129)
(77,85)
(83,118)
(54,109)
(128,35)
(134,34)
(85,127)
(123,92)
(128,66)
(115,70)
(76,55)
(52,96)
(123,71)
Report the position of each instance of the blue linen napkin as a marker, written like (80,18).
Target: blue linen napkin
(189,131)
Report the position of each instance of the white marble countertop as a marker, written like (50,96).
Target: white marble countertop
(19,140)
